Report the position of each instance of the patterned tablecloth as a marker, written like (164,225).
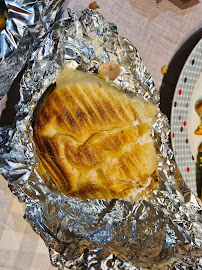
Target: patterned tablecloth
(161,30)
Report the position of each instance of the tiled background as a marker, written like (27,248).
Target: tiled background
(20,247)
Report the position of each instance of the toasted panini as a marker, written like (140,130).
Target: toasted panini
(93,139)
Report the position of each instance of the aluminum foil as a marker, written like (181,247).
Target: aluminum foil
(27,22)
(163,231)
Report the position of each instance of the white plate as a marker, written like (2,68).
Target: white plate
(184,119)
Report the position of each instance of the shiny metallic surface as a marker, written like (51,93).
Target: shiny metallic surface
(27,22)
(163,231)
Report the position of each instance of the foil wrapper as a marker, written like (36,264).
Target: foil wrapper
(163,231)
(27,22)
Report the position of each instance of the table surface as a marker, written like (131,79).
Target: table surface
(164,32)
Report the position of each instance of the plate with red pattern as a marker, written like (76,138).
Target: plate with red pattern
(184,118)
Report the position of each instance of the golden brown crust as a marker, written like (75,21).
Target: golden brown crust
(93,139)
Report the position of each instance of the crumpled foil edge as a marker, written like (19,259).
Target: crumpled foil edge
(26,24)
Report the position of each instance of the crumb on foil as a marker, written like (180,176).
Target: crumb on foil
(109,71)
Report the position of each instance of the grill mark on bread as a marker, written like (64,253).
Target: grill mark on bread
(124,165)
(92,113)
(50,147)
(82,158)
(67,95)
(46,118)
(81,108)
(101,111)
(99,105)
(124,168)
(43,120)
(114,112)
(55,171)
(41,145)
(113,116)
(95,109)
(87,158)
(70,119)
(83,105)
(39,141)
(61,109)
(89,105)
(63,173)
(122,109)
(81,115)
(94,103)
(74,102)
(99,118)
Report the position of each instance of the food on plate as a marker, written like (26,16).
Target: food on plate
(198,108)
(94,141)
